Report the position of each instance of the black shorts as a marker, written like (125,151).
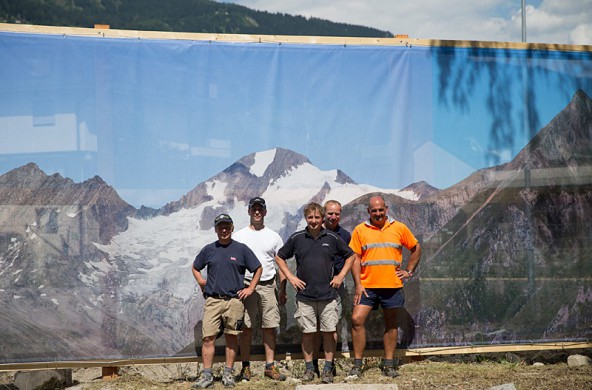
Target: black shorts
(387,298)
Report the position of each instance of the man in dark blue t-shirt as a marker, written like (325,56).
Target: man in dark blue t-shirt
(224,290)
(315,282)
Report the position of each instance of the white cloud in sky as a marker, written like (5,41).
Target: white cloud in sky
(547,21)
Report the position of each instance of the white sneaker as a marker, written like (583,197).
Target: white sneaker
(228,379)
(204,382)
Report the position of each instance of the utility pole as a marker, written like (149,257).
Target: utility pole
(523,20)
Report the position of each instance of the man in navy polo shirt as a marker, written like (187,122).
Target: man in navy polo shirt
(315,249)
(331,223)
(224,291)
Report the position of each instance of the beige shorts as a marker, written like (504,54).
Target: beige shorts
(310,313)
(222,313)
(262,306)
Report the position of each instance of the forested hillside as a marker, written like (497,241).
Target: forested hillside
(202,16)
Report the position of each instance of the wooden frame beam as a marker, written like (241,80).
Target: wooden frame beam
(402,353)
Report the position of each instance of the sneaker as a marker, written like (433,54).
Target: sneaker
(390,372)
(228,379)
(355,373)
(274,374)
(204,382)
(327,376)
(245,374)
(308,375)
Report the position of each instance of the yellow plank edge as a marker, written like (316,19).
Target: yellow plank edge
(399,40)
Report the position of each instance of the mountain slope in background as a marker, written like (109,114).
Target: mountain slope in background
(198,16)
(49,287)
(515,261)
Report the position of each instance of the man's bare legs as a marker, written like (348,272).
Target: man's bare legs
(269,344)
(231,349)
(329,345)
(390,332)
(208,350)
(359,316)
(307,344)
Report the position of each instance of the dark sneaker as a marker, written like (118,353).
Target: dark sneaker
(274,374)
(204,382)
(245,374)
(390,372)
(327,376)
(355,373)
(228,379)
(308,375)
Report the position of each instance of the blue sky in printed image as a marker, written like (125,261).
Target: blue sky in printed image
(154,118)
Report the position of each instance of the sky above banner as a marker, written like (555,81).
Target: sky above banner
(547,21)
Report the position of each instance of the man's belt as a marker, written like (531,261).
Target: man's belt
(218,296)
(266,282)
(261,282)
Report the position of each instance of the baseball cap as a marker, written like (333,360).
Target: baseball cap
(222,218)
(256,200)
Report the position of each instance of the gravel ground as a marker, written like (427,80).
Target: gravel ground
(427,374)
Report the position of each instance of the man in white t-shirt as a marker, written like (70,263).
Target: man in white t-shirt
(263,305)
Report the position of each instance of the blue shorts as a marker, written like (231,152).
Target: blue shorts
(387,298)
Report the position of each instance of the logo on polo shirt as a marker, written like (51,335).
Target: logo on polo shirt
(232,258)
(325,244)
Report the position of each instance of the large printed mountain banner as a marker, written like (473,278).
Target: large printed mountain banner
(495,182)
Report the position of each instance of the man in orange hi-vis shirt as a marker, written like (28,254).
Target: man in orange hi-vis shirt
(378,244)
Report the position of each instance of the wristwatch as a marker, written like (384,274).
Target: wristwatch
(410,273)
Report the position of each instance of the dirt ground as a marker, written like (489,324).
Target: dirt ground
(433,373)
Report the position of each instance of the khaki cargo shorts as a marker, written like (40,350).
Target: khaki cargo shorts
(310,313)
(262,306)
(224,314)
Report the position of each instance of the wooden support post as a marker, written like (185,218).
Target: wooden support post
(412,359)
(110,373)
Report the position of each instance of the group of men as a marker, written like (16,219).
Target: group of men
(247,276)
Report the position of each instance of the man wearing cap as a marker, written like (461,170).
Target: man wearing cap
(262,306)
(224,290)
(378,276)
(315,249)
